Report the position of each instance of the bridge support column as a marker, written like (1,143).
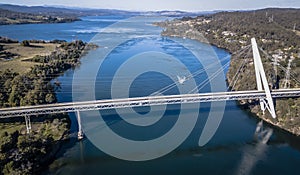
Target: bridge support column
(28,124)
(262,82)
(80,132)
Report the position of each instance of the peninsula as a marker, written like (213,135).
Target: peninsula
(26,71)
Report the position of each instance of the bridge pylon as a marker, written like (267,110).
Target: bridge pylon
(261,80)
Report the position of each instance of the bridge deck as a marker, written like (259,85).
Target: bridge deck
(143,101)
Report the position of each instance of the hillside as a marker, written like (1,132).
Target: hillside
(79,12)
(12,17)
(64,11)
(277,33)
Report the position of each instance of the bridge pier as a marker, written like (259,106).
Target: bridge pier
(28,124)
(80,134)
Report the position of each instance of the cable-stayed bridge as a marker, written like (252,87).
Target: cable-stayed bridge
(263,94)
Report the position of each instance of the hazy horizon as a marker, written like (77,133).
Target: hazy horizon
(135,5)
(97,8)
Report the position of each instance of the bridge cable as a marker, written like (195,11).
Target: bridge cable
(165,89)
(238,73)
(220,70)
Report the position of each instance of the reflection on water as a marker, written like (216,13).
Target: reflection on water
(254,153)
(81,152)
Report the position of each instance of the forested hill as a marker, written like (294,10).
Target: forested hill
(277,32)
(64,11)
(270,25)
(52,11)
(267,25)
(12,17)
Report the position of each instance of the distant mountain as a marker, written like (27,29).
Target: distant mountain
(74,11)
(15,14)
(60,11)
(177,13)
(35,9)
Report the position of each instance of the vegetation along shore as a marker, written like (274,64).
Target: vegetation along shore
(26,69)
(11,17)
(278,34)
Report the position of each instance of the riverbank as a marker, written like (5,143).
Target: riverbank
(233,31)
(23,153)
(8,17)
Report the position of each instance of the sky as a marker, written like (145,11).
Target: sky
(154,5)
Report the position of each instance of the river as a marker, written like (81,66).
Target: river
(232,150)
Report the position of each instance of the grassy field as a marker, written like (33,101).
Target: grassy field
(18,63)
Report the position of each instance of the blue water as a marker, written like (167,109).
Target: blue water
(83,30)
(232,150)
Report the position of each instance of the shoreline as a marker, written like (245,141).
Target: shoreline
(256,116)
(10,17)
(241,104)
(24,23)
(50,131)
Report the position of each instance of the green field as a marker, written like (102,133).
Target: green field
(20,63)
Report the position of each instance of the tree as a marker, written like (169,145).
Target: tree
(50,98)
(25,43)
(13,97)
(8,168)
